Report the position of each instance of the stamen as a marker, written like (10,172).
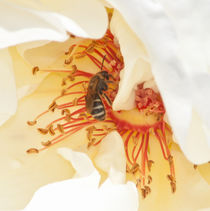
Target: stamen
(51,130)
(195,166)
(134,168)
(60,128)
(75,102)
(31,123)
(149,164)
(149,179)
(35,70)
(46,144)
(70,50)
(32,150)
(52,106)
(69,60)
(42,130)
(81,55)
(135,126)
(65,111)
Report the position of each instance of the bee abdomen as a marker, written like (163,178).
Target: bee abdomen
(98,111)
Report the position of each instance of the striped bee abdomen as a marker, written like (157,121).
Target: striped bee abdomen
(98,111)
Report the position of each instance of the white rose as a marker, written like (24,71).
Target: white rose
(177,44)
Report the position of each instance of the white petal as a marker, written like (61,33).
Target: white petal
(7,87)
(68,195)
(83,193)
(50,21)
(118,197)
(196,148)
(148,20)
(111,157)
(191,22)
(201,100)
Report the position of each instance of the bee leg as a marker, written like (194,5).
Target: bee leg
(102,86)
(111,76)
(113,85)
(107,99)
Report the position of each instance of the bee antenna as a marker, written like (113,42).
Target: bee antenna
(103,62)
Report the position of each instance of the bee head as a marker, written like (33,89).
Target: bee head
(105,75)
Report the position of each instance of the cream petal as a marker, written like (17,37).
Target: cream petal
(50,55)
(28,172)
(152,25)
(30,45)
(45,54)
(205,209)
(25,81)
(107,158)
(50,20)
(7,86)
(204,170)
(83,193)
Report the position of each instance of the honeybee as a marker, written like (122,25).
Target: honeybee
(96,88)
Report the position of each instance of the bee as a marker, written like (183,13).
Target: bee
(95,92)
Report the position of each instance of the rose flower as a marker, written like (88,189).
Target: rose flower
(116,87)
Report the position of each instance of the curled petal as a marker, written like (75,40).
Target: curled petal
(136,61)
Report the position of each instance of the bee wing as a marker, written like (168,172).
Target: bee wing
(89,99)
(91,93)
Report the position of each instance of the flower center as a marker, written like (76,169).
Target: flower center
(135,126)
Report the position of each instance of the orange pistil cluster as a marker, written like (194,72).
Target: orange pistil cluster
(135,126)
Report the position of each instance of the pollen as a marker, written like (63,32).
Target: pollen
(135,126)
(35,70)
(32,151)
(42,130)
(31,123)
